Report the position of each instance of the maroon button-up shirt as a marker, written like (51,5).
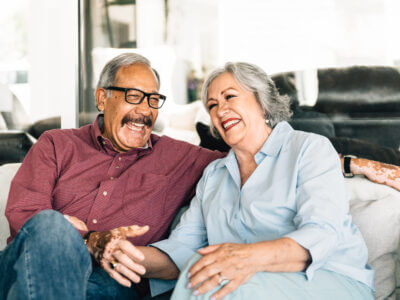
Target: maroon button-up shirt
(78,173)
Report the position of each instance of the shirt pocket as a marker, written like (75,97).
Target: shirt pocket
(144,198)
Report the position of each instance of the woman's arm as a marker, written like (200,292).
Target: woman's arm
(158,264)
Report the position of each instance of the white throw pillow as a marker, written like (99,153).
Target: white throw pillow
(376,211)
(7,173)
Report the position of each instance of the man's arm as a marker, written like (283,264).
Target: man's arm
(375,171)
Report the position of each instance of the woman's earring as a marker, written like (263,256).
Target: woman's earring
(268,122)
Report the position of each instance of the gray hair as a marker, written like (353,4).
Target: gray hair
(275,107)
(107,76)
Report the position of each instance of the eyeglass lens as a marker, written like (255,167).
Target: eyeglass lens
(134,97)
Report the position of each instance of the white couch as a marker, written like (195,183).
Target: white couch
(375,208)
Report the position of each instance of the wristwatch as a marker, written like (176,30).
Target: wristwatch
(86,236)
(346,165)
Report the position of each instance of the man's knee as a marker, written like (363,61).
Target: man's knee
(50,225)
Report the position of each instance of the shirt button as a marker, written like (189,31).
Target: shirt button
(119,158)
(111,178)
(105,193)
(94,221)
(117,167)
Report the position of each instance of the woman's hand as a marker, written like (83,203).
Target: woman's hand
(117,256)
(233,264)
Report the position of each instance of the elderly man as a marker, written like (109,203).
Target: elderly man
(101,177)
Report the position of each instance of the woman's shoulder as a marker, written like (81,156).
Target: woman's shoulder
(300,142)
(305,138)
(214,166)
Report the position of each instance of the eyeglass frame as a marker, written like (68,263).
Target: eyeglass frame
(145,95)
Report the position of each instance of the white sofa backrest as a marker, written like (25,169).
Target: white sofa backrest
(7,173)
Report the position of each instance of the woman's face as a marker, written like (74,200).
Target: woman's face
(235,112)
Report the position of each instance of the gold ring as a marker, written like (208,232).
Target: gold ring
(221,279)
(113,264)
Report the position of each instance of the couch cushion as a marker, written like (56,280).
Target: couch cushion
(376,211)
(37,128)
(366,150)
(7,173)
(286,85)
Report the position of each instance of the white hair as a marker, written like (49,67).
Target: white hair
(276,107)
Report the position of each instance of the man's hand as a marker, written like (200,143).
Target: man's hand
(377,172)
(118,257)
(78,224)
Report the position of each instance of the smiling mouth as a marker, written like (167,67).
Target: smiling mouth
(135,126)
(230,123)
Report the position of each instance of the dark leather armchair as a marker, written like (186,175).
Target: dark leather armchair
(355,102)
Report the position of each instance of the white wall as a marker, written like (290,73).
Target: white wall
(286,35)
(150,23)
(53,57)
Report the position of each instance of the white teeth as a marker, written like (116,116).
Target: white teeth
(226,125)
(135,126)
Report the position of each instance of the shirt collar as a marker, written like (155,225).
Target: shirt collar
(102,143)
(275,141)
(272,145)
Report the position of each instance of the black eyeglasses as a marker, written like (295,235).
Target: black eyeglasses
(135,96)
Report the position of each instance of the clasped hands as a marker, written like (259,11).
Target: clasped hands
(114,253)
(226,264)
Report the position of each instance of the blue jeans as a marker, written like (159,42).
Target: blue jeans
(48,260)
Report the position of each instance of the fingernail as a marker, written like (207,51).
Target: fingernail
(67,217)
(212,298)
(189,285)
(188,275)
(196,293)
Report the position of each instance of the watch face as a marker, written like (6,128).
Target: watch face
(348,175)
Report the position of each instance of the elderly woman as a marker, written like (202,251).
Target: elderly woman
(270,220)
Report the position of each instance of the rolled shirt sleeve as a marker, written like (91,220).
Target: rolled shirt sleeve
(322,203)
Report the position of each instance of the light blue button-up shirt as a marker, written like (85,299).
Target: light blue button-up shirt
(296,191)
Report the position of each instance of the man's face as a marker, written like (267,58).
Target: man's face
(128,125)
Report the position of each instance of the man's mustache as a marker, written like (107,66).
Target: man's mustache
(146,120)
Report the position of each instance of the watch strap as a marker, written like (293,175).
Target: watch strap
(87,235)
(346,165)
